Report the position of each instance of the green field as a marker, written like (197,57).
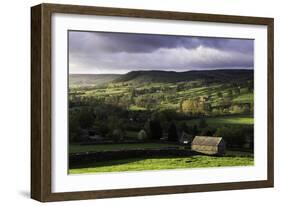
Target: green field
(227,120)
(146,90)
(75,148)
(245,98)
(138,164)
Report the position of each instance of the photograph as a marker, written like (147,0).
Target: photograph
(139,102)
(133,102)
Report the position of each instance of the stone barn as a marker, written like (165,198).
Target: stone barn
(208,145)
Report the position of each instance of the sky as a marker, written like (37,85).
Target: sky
(119,53)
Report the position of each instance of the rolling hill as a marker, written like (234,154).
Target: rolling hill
(91,79)
(171,76)
(154,76)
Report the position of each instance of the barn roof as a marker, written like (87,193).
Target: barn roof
(206,140)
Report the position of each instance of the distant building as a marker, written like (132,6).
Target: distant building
(208,145)
(185,138)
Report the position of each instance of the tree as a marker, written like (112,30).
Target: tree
(183,127)
(237,109)
(192,106)
(236,90)
(103,129)
(202,123)
(226,102)
(169,114)
(142,135)
(132,95)
(234,136)
(117,135)
(155,129)
(207,131)
(74,127)
(229,93)
(86,118)
(194,130)
(207,107)
(79,120)
(172,133)
(187,106)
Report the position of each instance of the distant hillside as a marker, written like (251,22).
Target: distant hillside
(91,79)
(171,76)
(162,77)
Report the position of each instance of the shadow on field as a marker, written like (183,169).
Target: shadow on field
(118,162)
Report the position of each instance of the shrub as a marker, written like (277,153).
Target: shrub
(79,120)
(103,129)
(194,130)
(74,128)
(234,136)
(142,135)
(207,131)
(202,123)
(155,129)
(86,118)
(117,135)
(172,133)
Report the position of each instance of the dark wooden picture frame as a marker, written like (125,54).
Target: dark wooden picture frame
(41,101)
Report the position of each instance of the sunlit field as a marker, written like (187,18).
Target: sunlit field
(140,164)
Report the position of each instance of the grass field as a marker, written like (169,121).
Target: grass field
(244,98)
(138,164)
(233,120)
(75,148)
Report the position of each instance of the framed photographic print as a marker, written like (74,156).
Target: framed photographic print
(130,102)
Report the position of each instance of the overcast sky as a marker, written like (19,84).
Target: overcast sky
(102,52)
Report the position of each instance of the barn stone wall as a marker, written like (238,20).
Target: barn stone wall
(210,150)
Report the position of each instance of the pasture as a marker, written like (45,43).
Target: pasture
(226,120)
(140,164)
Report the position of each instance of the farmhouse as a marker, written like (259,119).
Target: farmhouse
(208,145)
(185,138)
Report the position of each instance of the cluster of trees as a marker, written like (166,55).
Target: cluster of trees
(84,120)
(194,106)
(197,107)
(235,136)
(79,120)
(158,125)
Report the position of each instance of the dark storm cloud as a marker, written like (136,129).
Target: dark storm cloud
(122,42)
(122,52)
